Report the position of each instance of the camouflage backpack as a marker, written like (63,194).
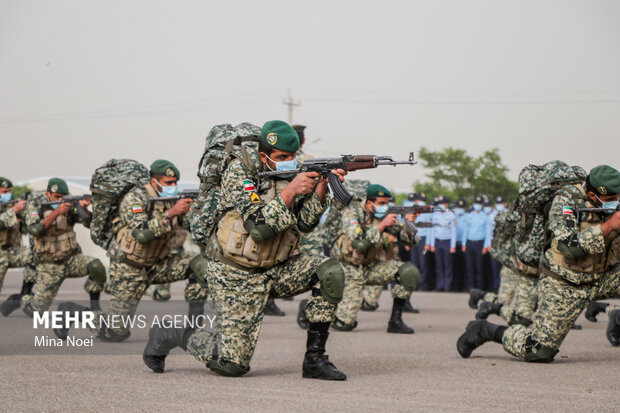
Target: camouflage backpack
(502,246)
(538,186)
(223,143)
(331,226)
(109,183)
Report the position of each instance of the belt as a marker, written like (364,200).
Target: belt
(549,273)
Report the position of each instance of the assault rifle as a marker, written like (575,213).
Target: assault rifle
(23,197)
(74,200)
(186,193)
(346,162)
(598,210)
(413,209)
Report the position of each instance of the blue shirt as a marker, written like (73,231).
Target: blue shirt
(444,228)
(476,228)
(490,228)
(461,223)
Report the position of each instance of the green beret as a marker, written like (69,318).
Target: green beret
(58,185)
(165,168)
(280,135)
(375,191)
(605,180)
(5,183)
(300,131)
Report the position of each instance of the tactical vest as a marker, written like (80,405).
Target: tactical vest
(345,252)
(59,241)
(594,264)
(237,245)
(9,237)
(389,250)
(145,255)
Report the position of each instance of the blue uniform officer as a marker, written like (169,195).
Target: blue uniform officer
(442,242)
(473,244)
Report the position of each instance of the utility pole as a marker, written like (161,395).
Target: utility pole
(288,101)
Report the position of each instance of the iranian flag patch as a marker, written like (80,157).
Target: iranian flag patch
(248,186)
(567,211)
(136,208)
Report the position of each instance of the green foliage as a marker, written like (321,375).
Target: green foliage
(456,174)
(18,190)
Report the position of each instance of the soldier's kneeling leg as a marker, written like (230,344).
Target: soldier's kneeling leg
(537,353)
(227,368)
(408,275)
(198,266)
(331,276)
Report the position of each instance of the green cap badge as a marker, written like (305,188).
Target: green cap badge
(376,191)
(280,135)
(605,180)
(58,185)
(165,168)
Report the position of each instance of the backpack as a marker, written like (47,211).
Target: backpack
(331,225)
(109,183)
(502,245)
(222,144)
(538,185)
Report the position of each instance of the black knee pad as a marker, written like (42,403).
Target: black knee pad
(408,276)
(331,276)
(96,271)
(537,353)
(227,368)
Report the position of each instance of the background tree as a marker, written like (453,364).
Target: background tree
(18,190)
(456,174)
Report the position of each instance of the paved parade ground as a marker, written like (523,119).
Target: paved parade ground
(420,372)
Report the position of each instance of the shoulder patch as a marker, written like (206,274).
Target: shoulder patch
(254,198)
(137,208)
(248,186)
(566,210)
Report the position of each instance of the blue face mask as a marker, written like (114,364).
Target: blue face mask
(608,204)
(380,211)
(420,203)
(6,197)
(500,207)
(168,190)
(459,211)
(487,209)
(285,166)
(477,207)
(55,205)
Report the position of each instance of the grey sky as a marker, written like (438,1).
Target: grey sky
(83,81)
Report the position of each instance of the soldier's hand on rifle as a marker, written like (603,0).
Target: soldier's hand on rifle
(84,203)
(19,206)
(180,208)
(411,217)
(321,187)
(388,221)
(63,208)
(612,224)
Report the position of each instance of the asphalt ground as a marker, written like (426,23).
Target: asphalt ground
(386,372)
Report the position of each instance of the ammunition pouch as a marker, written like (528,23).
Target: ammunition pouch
(137,254)
(56,247)
(351,254)
(409,276)
(331,276)
(259,233)
(143,236)
(239,246)
(10,237)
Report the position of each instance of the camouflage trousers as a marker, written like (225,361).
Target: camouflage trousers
(371,294)
(127,284)
(193,291)
(16,257)
(311,243)
(357,276)
(559,305)
(239,299)
(526,297)
(507,288)
(50,276)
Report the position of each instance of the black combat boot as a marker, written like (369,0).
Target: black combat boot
(196,308)
(477,333)
(396,323)
(593,309)
(316,363)
(613,328)
(302,320)
(576,327)
(366,306)
(11,304)
(161,341)
(272,309)
(487,308)
(26,288)
(409,308)
(68,306)
(342,326)
(475,295)
(94,302)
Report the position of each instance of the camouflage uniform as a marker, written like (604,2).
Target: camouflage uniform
(312,242)
(56,260)
(129,279)
(355,222)
(12,254)
(240,292)
(564,291)
(372,293)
